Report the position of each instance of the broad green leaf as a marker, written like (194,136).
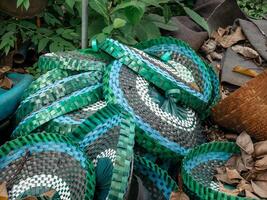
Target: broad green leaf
(167,13)
(197,18)
(55,47)
(146,30)
(42,44)
(100,37)
(70,3)
(19,3)
(26,4)
(133,10)
(107,30)
(118,23)
(100,6)
(155,3)
(160,22)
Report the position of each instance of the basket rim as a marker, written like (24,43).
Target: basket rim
(197,188)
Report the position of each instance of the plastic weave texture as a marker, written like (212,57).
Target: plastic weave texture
(243,110)
(159,184)
(72,102)
(157,130)
(79,60)
(54,92)
(163,75)
(199,168)
(109,133)
(42,162)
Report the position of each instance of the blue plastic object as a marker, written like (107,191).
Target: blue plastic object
(9,99)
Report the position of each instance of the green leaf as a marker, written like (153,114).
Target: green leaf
(107,30)
(100,6)
(100,37)
(133,10)
(42,44)
(146,30)
(197,18)
(160,22)
(70,3)
(167,13)
(20,3)
(26,4)
(155,3)
(118,23)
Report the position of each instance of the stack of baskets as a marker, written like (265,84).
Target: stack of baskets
(95,123)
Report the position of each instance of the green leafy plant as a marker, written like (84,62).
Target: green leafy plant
(59,26)
(254,8)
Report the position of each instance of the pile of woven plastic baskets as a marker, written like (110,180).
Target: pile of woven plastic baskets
(113,122)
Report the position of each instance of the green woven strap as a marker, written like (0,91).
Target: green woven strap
(156,169)
(75,101)
(93,121)
(124,151)
(154,147)
(45,80)
(186,96)
(56,91)
(20,142)
(194,185)
(79,60)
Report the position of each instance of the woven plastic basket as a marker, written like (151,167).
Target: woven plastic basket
(35,164)
(176,53)
(72,102)
(244,109)
(67,123)
(199,168)
(157,130)
(107,137)
(85,60)
(165,76)
(55,91)
(156,181)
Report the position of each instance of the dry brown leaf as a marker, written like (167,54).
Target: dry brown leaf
(3,191)
(180,195)
(4,69)
(221,31)
(247,160)
(49,194)
(261,164)
(6,83)
(216,56)
(261,176)
(251,195)
(229,40)
(245,143)
(244,185)
(259,188)
(236,162)
(209,46)
(233,174)
(234,192)
(245,71)
(260,148)
(228,176)
(245,51)
(30,198)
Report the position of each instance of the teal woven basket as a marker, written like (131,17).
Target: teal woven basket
(35,164)
(78,60)
(107,137)
(198,94)
(199,168)
(159,131)
(59,97)
(150,181)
